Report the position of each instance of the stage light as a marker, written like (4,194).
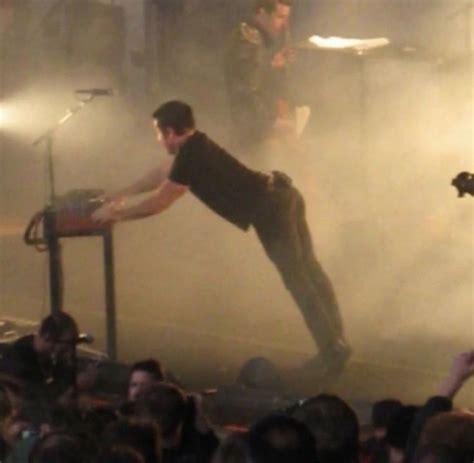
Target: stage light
(341,43)
(3,116)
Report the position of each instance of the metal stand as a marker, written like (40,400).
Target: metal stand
(56,285)
(54,231)
(53,245)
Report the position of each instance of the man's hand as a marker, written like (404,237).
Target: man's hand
(463,366)
(462,369)
(283,57)
(108,213)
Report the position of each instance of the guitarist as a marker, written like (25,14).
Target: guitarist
(256,65)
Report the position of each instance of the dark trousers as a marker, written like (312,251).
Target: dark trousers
(282,229)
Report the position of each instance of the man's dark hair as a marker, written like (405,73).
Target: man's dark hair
(175,115)
(56,325)
(383,410)
(151,366)
(281,439)
(270,5)
(335,427)
(167,405)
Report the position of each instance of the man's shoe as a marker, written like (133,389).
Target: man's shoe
(331,361)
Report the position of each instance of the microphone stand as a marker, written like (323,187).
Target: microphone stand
(53,245)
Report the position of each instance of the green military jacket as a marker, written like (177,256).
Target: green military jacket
(253,86)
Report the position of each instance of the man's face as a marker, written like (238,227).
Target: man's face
(277,21)
(44,345)
(167,138)
(66,343)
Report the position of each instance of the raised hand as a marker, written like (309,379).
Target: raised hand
(462,369)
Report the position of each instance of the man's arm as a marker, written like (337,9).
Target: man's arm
(149,182)
(461,370)
(164,197)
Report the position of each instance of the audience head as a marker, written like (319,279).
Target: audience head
(451,429)
(233,449)
(14,411)
(57,333)
(382,411)
(142,436)
(281,439)
(399,426)
(398,431)
(334,426)
(167,405)
(143,375)
(58,448)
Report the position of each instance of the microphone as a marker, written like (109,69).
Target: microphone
(95,91)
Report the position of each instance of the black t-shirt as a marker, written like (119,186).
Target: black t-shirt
(40,376)
(219,180)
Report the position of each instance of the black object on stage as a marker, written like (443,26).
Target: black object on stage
(464,183)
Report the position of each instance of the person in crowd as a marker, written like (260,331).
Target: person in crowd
(185,433)
(143,375)
(450,430)
(7,412)
(270,203)
(255,69)
(335,428)
(281,439)
(462,369)
(59,448)
(233,449)
(375,449)
(45,361)
(142,436)
(398,431)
